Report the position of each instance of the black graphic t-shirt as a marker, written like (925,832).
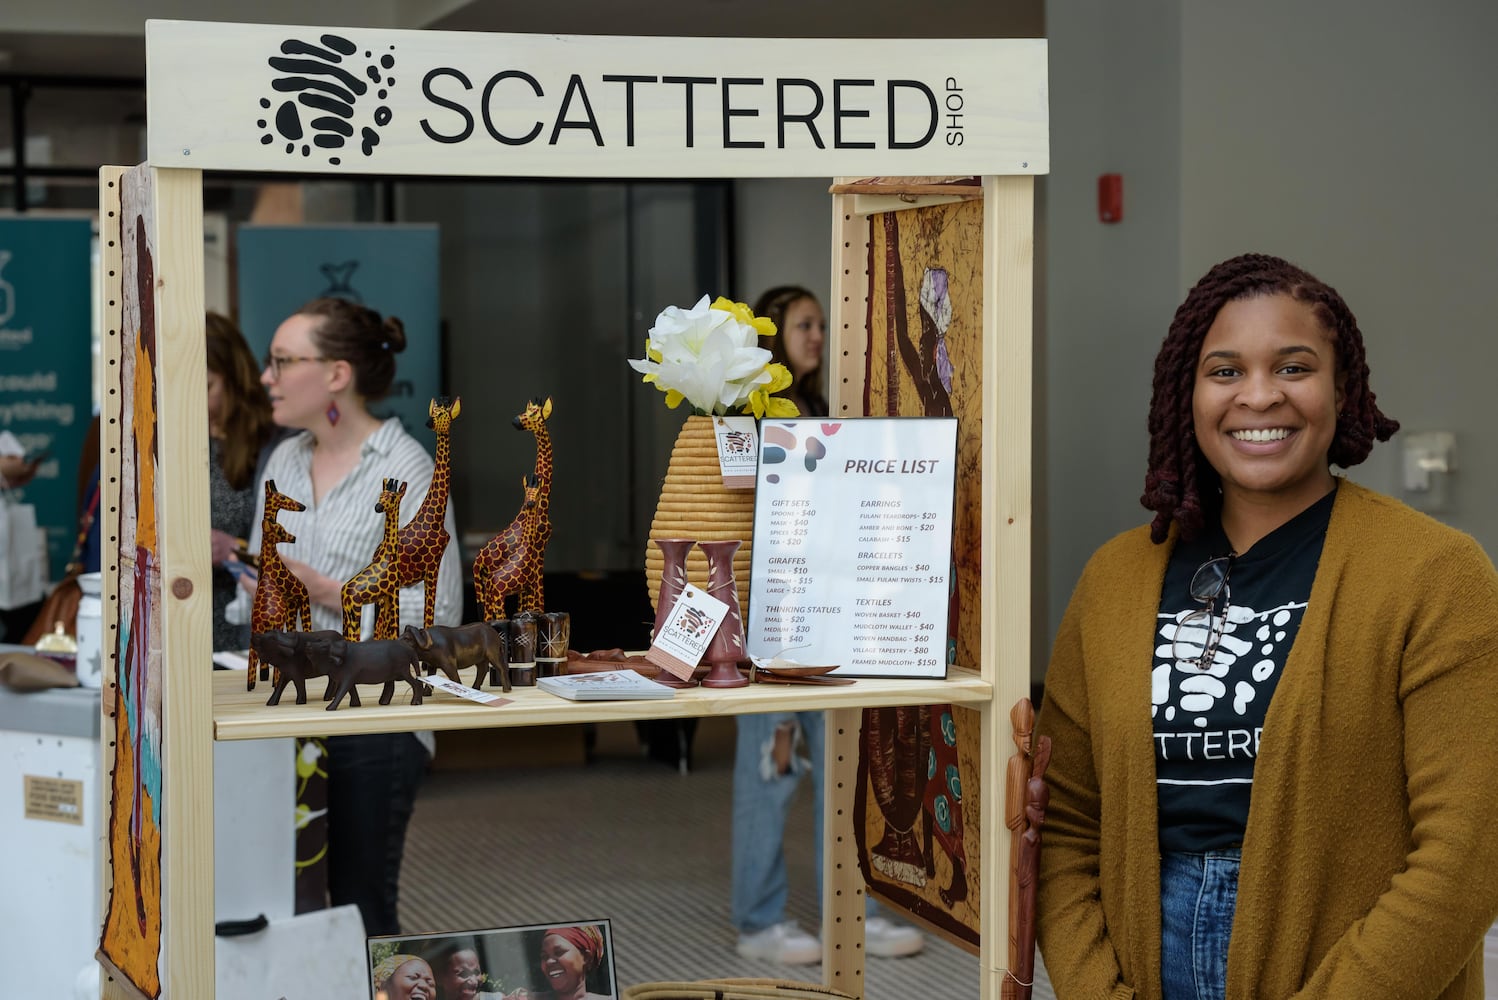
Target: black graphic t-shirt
(1207,720)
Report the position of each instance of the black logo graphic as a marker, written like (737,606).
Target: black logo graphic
(328,83)
(340,278)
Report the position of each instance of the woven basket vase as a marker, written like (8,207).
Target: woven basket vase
(695,504)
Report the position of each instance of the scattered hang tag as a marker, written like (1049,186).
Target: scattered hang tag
(738,451)
(464,691)
(681,641)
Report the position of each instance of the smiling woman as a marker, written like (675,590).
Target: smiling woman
(404,977)
(1287,658)
(568,957)
(459,972)
(1265,406)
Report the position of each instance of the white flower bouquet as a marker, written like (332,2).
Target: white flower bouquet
(710,356)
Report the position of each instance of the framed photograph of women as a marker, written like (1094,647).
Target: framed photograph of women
(531,962)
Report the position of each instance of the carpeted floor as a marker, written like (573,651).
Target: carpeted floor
(630,840)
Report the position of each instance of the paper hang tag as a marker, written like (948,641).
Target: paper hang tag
(678,647)
(738,451)
(466,692)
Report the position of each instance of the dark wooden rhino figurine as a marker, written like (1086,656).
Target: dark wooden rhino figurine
(450,648)
(299,656)
(377,661)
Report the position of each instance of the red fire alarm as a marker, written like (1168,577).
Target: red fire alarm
(1110,198)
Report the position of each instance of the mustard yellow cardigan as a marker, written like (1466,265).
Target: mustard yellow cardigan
(1370,862)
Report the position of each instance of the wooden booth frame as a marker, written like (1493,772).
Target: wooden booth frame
(162,709)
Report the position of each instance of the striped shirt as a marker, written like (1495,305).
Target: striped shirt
(339,535)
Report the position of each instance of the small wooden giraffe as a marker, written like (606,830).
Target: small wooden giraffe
(499,568)
(377,583)
(280,596)
(421,541)
(533,418)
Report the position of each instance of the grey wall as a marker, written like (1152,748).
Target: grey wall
(1110,289)
(783,234)
(1359,140)
(1355,138)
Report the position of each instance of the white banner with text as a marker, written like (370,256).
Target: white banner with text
(225,96)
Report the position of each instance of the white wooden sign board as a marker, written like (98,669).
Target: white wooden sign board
(225,96)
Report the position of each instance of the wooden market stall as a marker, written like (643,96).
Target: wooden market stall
(225,97)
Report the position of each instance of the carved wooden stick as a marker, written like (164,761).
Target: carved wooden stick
(1037,796)
(1022,722)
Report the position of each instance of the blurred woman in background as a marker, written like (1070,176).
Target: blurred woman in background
(239,430)
(798,316)
(327,363)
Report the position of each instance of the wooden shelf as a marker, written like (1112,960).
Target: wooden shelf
(243,715)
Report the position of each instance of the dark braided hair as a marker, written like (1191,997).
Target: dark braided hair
(1181,486)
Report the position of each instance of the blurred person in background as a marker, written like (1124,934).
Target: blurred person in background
(240,429)
(773,750)
(326,364)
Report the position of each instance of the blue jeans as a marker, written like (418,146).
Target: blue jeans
(761,800)
(1198,894)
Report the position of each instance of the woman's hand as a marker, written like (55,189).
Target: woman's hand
(222,545)
(321,589)
(246,576)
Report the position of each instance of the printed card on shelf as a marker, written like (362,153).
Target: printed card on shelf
(679,646)
(738,451)
(464,691)
(604,685)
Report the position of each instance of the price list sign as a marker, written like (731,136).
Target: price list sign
(853,544)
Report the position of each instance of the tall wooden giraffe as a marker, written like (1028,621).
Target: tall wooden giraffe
(533,418)
(421,541)
(280,596)
(500,566)
(377,583)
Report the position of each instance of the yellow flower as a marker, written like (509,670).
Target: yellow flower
(763,325)
(779,406)
(762,405)
(780,377)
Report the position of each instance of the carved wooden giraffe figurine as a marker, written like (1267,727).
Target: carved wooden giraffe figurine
(533,418)
(377,583)
(280,596)
(421,541)
(499,568)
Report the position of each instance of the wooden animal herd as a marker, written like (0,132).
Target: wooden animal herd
(511,563)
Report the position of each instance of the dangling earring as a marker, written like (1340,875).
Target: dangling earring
(332,412)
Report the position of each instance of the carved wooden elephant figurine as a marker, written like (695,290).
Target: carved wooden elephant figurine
(299,656)
(450,648)
(378,661)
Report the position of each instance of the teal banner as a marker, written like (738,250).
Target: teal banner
(392,269)
(46,363)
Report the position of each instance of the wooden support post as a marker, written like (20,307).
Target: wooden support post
(111,303)
(1008,277)
(842,882)
(158,751)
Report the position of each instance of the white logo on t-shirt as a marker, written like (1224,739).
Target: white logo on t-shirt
(1180,688)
